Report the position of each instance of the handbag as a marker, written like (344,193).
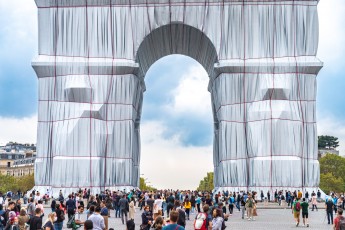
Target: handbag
(143,226)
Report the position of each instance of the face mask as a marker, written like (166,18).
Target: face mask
(55,219)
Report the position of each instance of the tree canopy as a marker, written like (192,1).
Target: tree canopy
(206,184)
(332,173)
(144,187)
(11,183)
(327,142)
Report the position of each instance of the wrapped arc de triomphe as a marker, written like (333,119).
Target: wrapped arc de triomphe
(261,60)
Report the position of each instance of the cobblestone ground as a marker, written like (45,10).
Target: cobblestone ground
(268,218)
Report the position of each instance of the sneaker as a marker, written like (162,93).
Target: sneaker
(297,224)
(307,225)
(253,219)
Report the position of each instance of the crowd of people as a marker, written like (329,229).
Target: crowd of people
(167,210)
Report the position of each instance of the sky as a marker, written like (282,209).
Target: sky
(177,124)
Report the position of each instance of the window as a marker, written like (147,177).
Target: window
(8,164)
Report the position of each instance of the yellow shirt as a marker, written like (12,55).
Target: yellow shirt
(187,205)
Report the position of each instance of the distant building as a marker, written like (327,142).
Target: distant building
(323,152)
(17,159)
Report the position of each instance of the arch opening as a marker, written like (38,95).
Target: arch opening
(179,128)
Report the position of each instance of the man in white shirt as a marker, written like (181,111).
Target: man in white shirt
(97,219)
(77,218)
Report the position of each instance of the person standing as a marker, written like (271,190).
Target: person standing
(36,220)
(23,218)
(339,221)
(60,214)
(305,207)
(124,207)
(104,213)
(250,206)
(170,203)
(173,222)
(217,220)
(146,218)
(314,202)
(329,210)
(131,209)
(97,219)
(243,205)
(198,202)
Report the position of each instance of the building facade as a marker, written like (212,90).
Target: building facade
(261,60)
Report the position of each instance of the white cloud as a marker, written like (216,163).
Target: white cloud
(18,31)
(329,125)
(168,164)
(191,96)
(332,33)
(21,130)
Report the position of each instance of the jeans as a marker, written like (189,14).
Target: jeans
(238,206)
(243,208)
(314,205)
(231,208)
(117,211)
(123,212)
(198,207)
(58,225)
(330,216)
(70,213)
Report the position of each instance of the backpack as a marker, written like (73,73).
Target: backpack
(342,223)
(298,206)
(71,222)
(200,221)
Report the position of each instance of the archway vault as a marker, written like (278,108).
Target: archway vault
(261,60)
(176,38)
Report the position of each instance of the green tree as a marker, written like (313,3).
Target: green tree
(206,184)
(327,142)
(11,183)
(333,164)
(144,187)
(329,182)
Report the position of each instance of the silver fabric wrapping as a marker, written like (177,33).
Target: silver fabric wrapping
(261,60)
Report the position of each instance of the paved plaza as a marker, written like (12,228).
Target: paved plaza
(272,217)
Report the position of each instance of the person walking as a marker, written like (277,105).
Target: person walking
(296,207)
(124,208)
(187,207)
(305,207)
(231,204)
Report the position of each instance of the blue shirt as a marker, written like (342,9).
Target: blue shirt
(173,227)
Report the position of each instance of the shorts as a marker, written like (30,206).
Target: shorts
(296,214)
(304,215)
